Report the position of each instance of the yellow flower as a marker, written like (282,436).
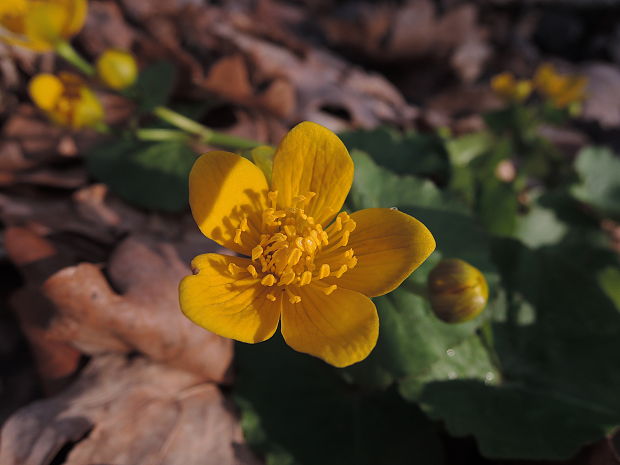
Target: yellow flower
(40,24)
(457,291)
(305,265)
(509,88)
(66,99)
(117,69)
(561,90)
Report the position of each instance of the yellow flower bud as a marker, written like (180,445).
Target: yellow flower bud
(561,90)
(117,69)
(509,88)
(40,24)
(457,291)
(66,99)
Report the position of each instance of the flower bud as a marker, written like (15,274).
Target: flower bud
(457,291)
(117,69)
(40,24)
(509,88)
(66,99)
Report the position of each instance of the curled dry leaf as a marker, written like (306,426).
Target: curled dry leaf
(136,311)
(127,412)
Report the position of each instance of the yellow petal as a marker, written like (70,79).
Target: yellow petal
(88,109)
(45,21)
(311,158)
(340,328)
(75,17)
(388,245)
(45,90)
(223,187)
(231,306)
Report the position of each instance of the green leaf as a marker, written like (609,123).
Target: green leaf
(297,410)
(153,86)
(513,421)
(559,347)
(408,153)
(599,170)
(497,206)
(554,217)
(413,344)
(149,175)
(462,150)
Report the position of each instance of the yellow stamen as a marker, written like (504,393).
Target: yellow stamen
(342,270)
(287,278)
(292,298)
(252,271)
(257,252)
(237,239)
(324,271)
(268,280)
(328,290)
(306,278)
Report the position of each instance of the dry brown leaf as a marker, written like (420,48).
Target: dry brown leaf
(229,77)
(127,412)
(37,137)
(37,258)
(137,310)
(91,205)
(106,28)
(602,94)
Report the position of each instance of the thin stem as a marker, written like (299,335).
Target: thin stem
(160,134)
(66,50)
(101,128)
(206,135)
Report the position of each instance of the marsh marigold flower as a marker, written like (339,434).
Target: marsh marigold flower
(66,99)
(509,88)
(40,24)
(457,291)
(117,69)
(560,89)
(304,264)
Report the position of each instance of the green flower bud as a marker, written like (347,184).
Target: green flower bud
(457,291)
(117,69)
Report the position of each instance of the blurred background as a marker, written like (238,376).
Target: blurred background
(496,122)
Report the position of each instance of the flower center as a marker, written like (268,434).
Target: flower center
(295,251)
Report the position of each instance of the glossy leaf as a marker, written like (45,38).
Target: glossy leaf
(149,175)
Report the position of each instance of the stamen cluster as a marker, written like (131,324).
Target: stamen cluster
(295,251)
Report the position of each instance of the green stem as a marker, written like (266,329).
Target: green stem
(102,128)
(66,50)
(160,134)
(206,135)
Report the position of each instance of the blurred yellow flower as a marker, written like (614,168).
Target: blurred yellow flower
(66,99)
(561,90)
(304,264)
(457,291)
(40,24)
(509,88)
(117,69)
